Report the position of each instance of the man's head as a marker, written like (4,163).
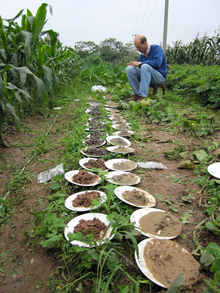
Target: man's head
(140,43)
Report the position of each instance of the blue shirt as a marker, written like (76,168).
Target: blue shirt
(156,59)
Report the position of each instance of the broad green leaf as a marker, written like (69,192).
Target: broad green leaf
(201,155)
(28,39)
(206,258)
(178,282)
(11,110)
(217,277)
(39,21)
(215,266)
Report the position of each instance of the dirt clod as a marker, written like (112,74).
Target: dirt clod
(84,177)
(94,226)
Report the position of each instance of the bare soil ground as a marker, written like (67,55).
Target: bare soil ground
(25,267)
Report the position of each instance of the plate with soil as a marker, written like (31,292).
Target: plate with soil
(135,196)
(117,120)
(122,178)
(94,165)
(82,178)
(120,165)
(111,110)
(162,260)
(87,224)
(124,132)
(94,152)
(95,142)
(118,141)
(156,223)
(120,150)
(82,201)
(111,104)
(121,126)
(214,170)
(97,134)
(95,126)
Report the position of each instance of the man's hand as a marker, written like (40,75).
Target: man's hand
(133,63)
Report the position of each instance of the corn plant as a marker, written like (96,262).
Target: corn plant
(32,64)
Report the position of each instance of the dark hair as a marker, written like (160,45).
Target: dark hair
(143,39)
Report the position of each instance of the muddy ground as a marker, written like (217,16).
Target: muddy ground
(26,267)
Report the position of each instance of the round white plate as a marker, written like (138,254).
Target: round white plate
(117,121)
(214,170)
(126,142)
(85,154)
(109,176)
(68,201)
(109,164)
(147,243)
(111,109)
(113,149)
(141,262)
(138,214)
(89,216)
(82,163)
(117,126)
(69,175)
(97,146)
(129,132)
(121,189)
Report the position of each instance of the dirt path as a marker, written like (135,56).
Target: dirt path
(26,267)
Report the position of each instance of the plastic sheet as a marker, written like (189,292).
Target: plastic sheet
(99,88)
(48,174)
(151,165)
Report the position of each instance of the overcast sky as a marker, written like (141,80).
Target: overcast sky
(97,20)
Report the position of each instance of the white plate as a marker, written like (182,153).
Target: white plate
(89,216)
(129,132)
(109,176)
(97,146)
(113,149)
(117,121)
(69,175)
(214,170)
(138,214)
(82,152)
(109,164)
(144,268)
(126,142)
(117,126)
(121,189)
(141,262)
(82,163)
(68,201)
(111,109)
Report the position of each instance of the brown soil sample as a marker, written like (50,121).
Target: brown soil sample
(94,141)
(111,104)
(122,126)
(118,141)
(99,164)
(124,165)
(85,199)
(96,125)
(97,134)
(94,111)
(161,224)
(165,259)
(125,179)
(122,150)
(136,197)
(123,132)
(93,151)
(94,226)
(84,177)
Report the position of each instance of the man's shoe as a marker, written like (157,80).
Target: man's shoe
(133,98)
(141,98)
